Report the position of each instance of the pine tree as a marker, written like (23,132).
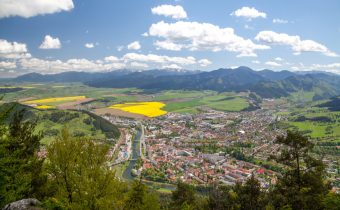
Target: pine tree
(20,168)
(249,195)
(139,198)
(302,186)
(183,196)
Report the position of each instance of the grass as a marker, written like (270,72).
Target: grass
(226,103)
(174,106)
(120,168)
(177,94)
(321,131)
(222,102)
(302,96)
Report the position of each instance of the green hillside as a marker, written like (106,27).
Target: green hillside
(50,123)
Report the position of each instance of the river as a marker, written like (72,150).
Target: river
(135,156)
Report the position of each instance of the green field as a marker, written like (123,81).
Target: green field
(63,90)
(221,102)
(175,94)
(319,123)
(302,96)
(180,101)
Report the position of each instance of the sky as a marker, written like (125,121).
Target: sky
(52,36)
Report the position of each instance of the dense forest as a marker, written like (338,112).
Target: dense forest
(74,174)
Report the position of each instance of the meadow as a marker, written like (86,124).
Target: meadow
(213,100)
(180,101)
(319,123)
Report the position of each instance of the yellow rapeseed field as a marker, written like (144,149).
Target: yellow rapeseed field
(52,100)
(45,107)
(149,109)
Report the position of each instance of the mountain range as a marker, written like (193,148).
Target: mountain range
(266,83)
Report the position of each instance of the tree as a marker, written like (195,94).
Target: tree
(139,198)
(332,201)
(80,175)
(183,196)
(20,168)
(249,195)
(302,185)
(222,197)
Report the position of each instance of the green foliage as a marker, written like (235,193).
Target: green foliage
(249,195)
(138,198)
(302,185)
(20,168)
(184,197)
(79,174)
(110,130)
(332,201)
(222,197)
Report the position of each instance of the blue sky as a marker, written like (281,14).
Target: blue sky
(50,36)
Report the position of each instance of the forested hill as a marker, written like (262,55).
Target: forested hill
(266,83)
(51,122)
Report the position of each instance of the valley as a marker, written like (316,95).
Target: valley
(198,136)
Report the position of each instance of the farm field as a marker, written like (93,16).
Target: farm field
(320,123)
(221,102)
(149,109)
(55,101)
(59,96)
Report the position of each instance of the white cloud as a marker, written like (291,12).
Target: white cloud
(280,21)
(133,60)
(7,65)
(272,63)
(89,45)
(30,8)
(56,66)
(134,46)
(161,59)
(168,45)
(111,59)
(202,36)
(172,66)
(175,12)
(249,13)
(297,45)
(13,50)
(145,34)
(139,65)
(256,61)
(204,62)
(278,59)
(50,43)
(332,67)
